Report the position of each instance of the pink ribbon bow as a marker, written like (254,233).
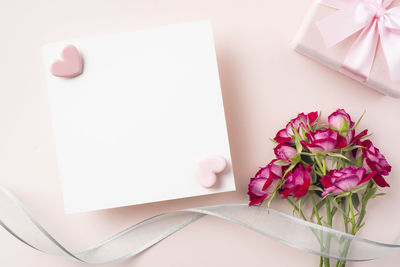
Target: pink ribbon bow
(375,21)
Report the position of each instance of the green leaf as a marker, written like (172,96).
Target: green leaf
(281,163)
(337,155)
(297,139)
(319,173)
(304,132)
(319,205)
(304,122)
(299,203)
(296,159)
(324,126)
(358,121)
(338,207)
(288,170)
(356,200)
(345,194)
(318,118)
(359,161)
(379,194)
(273,141)
(345,128)
(299,147)
(313,175)
(306,154)
(366,136)
(369,192)
(272,198)
(308,124)
(315,188)
(333,212)
(350,148)
(359,189)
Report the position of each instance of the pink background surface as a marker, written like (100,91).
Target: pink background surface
(264,83)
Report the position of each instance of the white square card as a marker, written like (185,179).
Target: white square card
(131,128)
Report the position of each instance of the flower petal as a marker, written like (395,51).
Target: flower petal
(380,181)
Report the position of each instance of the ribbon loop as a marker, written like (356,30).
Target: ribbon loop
(392,19)
(343,23)
(390,41)
(375,22)
(360,58)
(130,242)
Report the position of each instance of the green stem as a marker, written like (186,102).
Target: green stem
(346,227)
(356,226)
(297,209)
(304,218)
(329,223)
(315,209)
(328,211)
(363,207)
(305,164)
(318,163)
(321,260)
(353,228)
(353,219)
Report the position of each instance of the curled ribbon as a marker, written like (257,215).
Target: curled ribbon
(278,226)
(376,22)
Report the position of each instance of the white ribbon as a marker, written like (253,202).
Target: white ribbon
(283,228)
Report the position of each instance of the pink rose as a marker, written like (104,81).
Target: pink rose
(265,182)
(297,183)
(321,141)
(374,160)
(283,137)
(285,152)
(341,122)
(347,179)
(299,123)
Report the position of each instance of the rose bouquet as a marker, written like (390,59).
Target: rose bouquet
(329,165)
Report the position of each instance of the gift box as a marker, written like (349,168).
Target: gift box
(359,38)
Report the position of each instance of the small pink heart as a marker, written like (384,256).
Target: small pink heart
(208,169)
(70,65)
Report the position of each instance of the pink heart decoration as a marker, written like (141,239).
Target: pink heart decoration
(70,65)
(208,169)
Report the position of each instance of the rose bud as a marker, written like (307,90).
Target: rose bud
(343,180)
(374,160)
(297,182)
(340,120)
(264,183)
(321,141)
(283,137)
(285,152)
